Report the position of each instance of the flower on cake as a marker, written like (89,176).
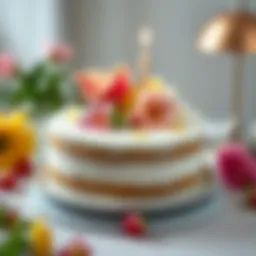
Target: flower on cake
(148,106)
(106,86)
(97,116)
(17,139)
(109,94)
(154,110)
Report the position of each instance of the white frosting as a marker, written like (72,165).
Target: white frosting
(129,173)
(105,203)
(132,173)
(69,130)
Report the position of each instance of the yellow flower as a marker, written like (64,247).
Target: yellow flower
(155,84)
(41,239)
(17,139)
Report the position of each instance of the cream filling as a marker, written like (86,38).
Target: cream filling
(106,203)
(130,173)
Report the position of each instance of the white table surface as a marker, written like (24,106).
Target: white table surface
(230,230)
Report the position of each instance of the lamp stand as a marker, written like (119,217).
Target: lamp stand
(237,98)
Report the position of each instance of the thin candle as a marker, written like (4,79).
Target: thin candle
(145,40)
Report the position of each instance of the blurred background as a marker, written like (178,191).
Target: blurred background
(103,32)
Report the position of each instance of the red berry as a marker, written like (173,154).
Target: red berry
(23,168)
(134,225)
(8,182)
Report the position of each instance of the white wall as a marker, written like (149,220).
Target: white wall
(26,25)
(103,32)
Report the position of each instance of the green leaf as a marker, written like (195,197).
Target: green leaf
(117,118)
(16,242)
(42,87)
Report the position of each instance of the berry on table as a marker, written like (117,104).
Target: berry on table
(8,182)
(23,167)
(134,225)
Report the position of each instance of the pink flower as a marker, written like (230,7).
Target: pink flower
(59,52)
(7,65)
(154,110)
(97,117)
(236,166)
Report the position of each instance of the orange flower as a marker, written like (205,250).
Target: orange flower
(100,85)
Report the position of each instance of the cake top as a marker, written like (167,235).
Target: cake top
(115,101)
(64,125)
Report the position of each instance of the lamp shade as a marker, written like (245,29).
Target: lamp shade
(233,31)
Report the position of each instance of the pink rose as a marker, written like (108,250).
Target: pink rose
(7,65)
(97,117)
(59,52)
(154,110)
(236,166)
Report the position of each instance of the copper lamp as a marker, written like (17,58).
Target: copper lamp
(232,32)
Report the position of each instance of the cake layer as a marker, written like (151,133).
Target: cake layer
(118,190)
(106,203)
(126,155)
(68,130)
(129,173)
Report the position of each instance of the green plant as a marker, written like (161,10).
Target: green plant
(44,87)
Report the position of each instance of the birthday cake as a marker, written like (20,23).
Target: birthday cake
(130,147)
